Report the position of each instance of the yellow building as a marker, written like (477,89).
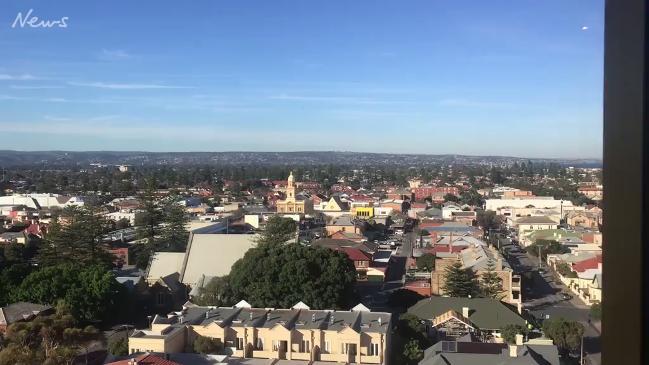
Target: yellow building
(298,333)
(293,204)
(363,212)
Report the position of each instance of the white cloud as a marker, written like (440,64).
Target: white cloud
(333,99)
(584,28)
(35,87)
(464,103)
(22,77)
(122,86)
(114,55)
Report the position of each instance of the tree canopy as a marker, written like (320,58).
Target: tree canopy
(567,335)
(278,230)
(75,237)
(491,285)
(280,275)
(426,262)
(460,282)
(547,247)
(53,339)
(91,292)
(510,331)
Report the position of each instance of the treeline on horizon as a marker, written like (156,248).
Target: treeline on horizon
(540,178)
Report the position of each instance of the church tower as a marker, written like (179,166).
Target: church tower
(290,188)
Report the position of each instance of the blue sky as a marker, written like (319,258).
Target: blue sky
(519,78)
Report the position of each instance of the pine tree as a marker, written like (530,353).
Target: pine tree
(149,218)
(491,285)
(75,237)
(174,233)
(460,282)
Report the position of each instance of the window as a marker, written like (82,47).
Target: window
(260,344)
(304,346)
(239,343)
(327,347)
(275,345)
(374,349)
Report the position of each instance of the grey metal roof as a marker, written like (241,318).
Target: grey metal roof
(21,310)
(471,353)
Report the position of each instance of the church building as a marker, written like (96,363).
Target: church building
(293,204)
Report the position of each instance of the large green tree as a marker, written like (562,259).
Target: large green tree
(487,219)
(510,331)
(278,275)
(426,262)
(91,292)
(278,230)
(75,237)
(460,282)
(546,247)
(174,233)
(491,285)
(150,215)
(567,335)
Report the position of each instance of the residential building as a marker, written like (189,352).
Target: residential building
(422,192)
(336,205)
(535,352)
(21,311)
(450,318)
(525,225)
(531,202)
(299,333)
(478,257)
(464,217)
(584,219)
(448,209)
(294,203)
(594,192)
(344,223)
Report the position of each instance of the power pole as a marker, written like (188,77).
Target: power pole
(539,257)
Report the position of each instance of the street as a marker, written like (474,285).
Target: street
(541,297)
(375,295)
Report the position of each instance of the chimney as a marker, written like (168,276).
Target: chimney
(519,339)
(313,317)
(332,319)
(513,351)
(465,312)
(379,321)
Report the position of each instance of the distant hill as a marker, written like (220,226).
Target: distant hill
(67,158)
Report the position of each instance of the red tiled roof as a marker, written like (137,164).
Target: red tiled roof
(423,225)
(146,359)
(355,254)
(591,263)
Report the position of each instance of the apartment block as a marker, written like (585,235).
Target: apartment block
(299,333)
